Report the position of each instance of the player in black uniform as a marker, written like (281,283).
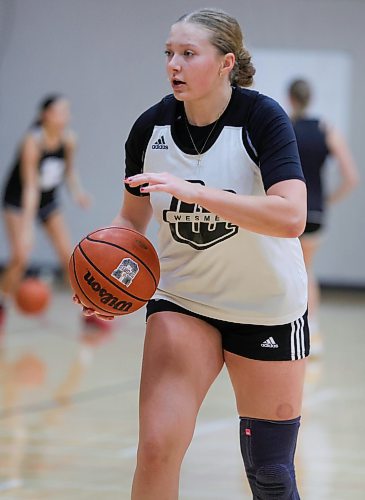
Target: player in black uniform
(45,159)
(316,141)
(218,167)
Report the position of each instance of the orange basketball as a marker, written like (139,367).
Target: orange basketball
(32,296)
(114,270)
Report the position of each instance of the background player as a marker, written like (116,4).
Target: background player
(45,160)
(316,141)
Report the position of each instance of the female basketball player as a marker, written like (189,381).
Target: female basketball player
(316,141)
(44,160)
(218,167)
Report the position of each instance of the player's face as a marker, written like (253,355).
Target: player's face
(58,114)
(192,63)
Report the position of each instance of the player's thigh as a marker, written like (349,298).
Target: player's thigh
(310,245)
(57,231)
(13,224)
(270,390)
(182,357)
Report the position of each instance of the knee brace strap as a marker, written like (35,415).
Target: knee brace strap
(268,449)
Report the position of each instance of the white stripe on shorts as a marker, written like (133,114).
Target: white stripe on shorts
(302,336)
(297,339)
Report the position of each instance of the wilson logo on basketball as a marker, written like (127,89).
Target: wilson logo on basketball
(105,296)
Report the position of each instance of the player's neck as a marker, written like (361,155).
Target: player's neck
(208,109)
(52,134)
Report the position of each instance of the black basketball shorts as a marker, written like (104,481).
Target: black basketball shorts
(44,212)
(311,228)
(286,342)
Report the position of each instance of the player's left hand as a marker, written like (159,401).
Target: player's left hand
(83,200)
(181,189)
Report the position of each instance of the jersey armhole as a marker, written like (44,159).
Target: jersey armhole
(250,148)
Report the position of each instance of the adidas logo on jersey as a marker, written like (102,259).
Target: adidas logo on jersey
(270,342)
(160,143)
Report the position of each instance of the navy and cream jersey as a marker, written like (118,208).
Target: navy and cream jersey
(51,168)
(208,265)
(313,152)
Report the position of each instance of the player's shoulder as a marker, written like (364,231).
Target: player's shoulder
(160,113)
(70,139)
(34,133)
(250,105)
(32,138)
(266,107)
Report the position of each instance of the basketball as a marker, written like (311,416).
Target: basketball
(33,296)
(114,270)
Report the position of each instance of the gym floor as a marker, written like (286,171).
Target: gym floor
(68,419)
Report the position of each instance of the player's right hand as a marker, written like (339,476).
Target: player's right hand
(90,312)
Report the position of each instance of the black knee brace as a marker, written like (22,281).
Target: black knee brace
(268,449)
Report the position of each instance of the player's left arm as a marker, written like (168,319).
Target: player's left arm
(71,176)
(282,212)
(339,149)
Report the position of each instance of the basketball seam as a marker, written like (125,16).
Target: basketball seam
(124,229)
(125,250)
(75,274)
(106,277)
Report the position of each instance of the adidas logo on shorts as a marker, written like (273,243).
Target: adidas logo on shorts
(270,342)
(160,143)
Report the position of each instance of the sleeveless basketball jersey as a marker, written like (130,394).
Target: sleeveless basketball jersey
(51,172)
(208,265)
(313,152)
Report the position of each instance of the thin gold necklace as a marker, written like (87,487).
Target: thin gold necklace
(200,153)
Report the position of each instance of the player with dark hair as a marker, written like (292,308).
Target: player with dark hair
(45,159)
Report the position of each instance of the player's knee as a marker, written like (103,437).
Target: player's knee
(274,482)
(19,259)
(161,449)
(268,452)
(152,454)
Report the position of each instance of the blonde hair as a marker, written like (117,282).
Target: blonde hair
(226,36)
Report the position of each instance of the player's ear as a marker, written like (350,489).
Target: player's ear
(227,63)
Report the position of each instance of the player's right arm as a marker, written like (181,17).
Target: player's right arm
(136,210)
(135,213)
